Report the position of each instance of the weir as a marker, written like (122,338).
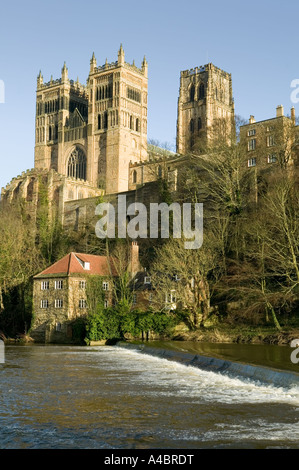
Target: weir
(261,374)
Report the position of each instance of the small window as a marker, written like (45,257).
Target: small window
(192,125)
(82,284)
(147,280)
(82,303)
(58,326)
(201,92)
(44,303)
(272,158)
(251,144)
(45,285)
(106,303)
(270,141)
(134,176)
(58,303)
(105,285)
(192,92)
(134,299)
(199,124)
(86,265)
(58,285)
(251,132)
(251,162)
(171,297)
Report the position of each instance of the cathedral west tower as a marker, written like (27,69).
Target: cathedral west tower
(92,133)
(117,120)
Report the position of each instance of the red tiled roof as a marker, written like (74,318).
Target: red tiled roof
(73,263)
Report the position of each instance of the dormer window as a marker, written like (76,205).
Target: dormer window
(86,265)
(147,280)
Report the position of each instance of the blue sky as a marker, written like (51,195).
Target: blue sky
(257,42)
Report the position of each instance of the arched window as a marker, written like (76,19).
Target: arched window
(105,124)
(201,91)
(76,166)
(192,125)
(134,176)
(192,92)
(199,124)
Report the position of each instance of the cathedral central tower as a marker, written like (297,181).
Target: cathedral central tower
(205,107)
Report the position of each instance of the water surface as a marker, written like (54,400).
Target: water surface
(112,398)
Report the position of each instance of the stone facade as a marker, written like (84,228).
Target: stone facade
(272,141)
(59,294)
(93,132)
(92,140)
(205,98)
(59,189)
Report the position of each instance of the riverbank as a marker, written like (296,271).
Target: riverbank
(221,333)
(238,334)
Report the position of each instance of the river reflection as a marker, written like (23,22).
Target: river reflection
(109,397)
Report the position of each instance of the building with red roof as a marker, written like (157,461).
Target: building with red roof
(59,292)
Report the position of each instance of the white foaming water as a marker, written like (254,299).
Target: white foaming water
(175,379)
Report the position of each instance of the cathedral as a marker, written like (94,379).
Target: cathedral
(91,140)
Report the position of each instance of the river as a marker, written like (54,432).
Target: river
(73,397)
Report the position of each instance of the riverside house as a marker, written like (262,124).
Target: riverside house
(59,292)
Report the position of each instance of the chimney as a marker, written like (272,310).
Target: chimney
(134,259)
(293,115)
(279,111)
(251,120)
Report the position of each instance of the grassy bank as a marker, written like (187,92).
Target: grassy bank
(238,334)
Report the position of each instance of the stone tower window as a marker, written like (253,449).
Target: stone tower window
(105,123)
(192,92)
(192,125)
(76,167)
(201,91)
(134,176)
